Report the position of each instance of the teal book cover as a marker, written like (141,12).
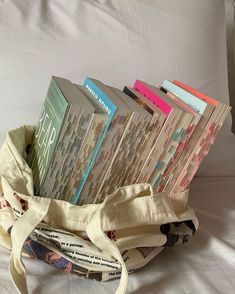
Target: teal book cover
(47,133)
(110,109)
(197,104)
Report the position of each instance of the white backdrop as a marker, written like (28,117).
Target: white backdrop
(117,42)
(229,9)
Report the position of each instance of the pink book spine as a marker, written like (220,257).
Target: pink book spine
(150,95)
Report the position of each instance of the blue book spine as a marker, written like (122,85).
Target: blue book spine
(196,103)
(110,108)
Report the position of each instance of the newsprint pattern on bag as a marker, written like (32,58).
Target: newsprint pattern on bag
(67,251)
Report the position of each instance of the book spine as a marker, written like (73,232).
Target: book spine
(151,96)
(47,134)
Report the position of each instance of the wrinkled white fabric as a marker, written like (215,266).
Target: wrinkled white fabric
(117,42)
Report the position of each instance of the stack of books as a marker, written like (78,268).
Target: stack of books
(93,138)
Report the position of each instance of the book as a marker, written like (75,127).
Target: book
(63,108)
(108,105)
(194,102)
(130,150)
(111,143)
(200,142)
(173,116)
(183,144)
(155,126)
(77,165)
(196,93)
(74,139)
(94,138)
(175,141)
(187,172)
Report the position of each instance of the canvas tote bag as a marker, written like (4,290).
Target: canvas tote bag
(98,241)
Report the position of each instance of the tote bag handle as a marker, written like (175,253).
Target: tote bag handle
(96,234)
(22,228)
(38,208)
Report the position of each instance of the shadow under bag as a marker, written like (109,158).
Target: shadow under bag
(97,241)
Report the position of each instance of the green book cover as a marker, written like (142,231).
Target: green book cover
(47,133)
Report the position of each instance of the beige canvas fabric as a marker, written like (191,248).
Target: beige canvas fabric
(133,214)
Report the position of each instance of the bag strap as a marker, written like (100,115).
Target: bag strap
(96,234)
(37,210)
(20,231)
